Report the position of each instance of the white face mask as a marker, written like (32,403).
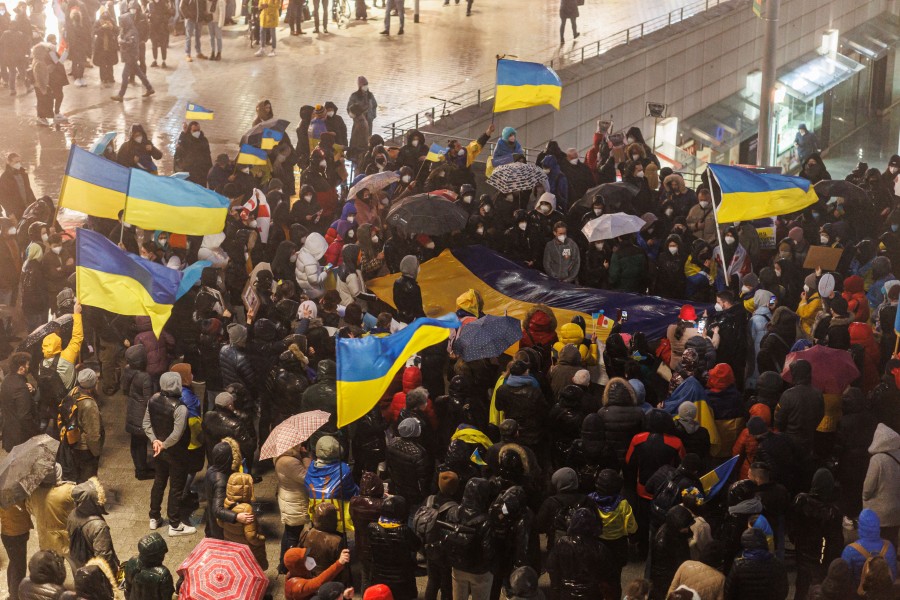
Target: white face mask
(598,211)
(351,218)
(777,272)
(374,239)
(365,88)
(56,249)
(139,139)
(486,209)
(329,113)
(406,179)
(745,289)
(462,152)
(598,245)
(718,307)
(639,174)
(323,163)
(547,171)
(806,288)
(635,157)
(573,161)
(245,169)
(351,234)
(704,204)
(196,134)
(309,563)
(11,231)
(893,170)
(293,258)
(44,237)
(467,199)
(480,231)
(823,239)
(729,240)
(509,197)
(523,226)
(669,212)
(16,166)
(308,198)
(673,250)
(430,245)
(561,238)
(630,140)
(252,223)
(545,209)
(415,143)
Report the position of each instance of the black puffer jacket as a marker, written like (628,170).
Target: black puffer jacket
(393,547)
(669,549)
(580,565)
(590,454)
(410,468)
(219,424)
(322,395)
(472,513)
(224,460)
(46,574)
(757,574)
(137,386)
(801,408)
(854,434)
(527,405)
(236,367)
(621,417)
(289,383)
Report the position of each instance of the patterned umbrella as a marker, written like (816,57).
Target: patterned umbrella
(220,570)
(607,227)
(832,369)
(292,431)
(428,214)
(61,325)
(25,467)
(487,337)
(374,183)
(517,176)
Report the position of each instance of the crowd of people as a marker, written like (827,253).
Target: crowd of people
(573,456)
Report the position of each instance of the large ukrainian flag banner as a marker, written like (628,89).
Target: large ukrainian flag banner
(174,205)
(366,366)
(525,84)
(746,195)
(94,185)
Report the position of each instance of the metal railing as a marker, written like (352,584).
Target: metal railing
(477,97)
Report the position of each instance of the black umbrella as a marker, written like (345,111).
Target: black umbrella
(428,214)
(487,337)
(61,326)
(838,188)
(25,467)
(617,196)
(254,136)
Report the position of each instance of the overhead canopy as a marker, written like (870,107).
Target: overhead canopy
(874,39)
(508,288)
(814,74)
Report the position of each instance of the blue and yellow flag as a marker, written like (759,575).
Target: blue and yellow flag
(195,112)
(436,153)
(174,205)
(366,366)
(746,195)
(93,185)
(270,138)
(525,84)
(715,480)
(252,156)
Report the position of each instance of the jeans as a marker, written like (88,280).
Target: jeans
(172,470)
(160,43)
(86,465)
(289,539)
(132,69)
(192,29)
(16,547)
(215,38)
(562,27)
(439,580)
(139,454)
(478,586)
(315,4)
(391,5)
(267,37)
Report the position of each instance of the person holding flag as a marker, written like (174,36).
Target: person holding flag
(192,153)
(461,158)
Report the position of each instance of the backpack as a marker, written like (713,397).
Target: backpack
(67,421)
(425,520)
(50,385)
(563,517)
(665,499)
(874,569)
(459,542)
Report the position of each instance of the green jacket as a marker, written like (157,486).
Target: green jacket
(628,270)
(147,583)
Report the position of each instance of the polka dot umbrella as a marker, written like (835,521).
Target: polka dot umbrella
(220,570)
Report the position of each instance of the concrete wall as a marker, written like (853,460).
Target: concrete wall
(689,66)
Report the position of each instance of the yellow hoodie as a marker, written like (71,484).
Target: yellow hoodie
(68,356)
(571,333)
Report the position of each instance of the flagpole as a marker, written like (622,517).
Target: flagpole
(124,209)
(718,229)
(496,72)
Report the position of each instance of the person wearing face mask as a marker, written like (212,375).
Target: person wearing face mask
(462,157)
(670,280)
(810,303)
(557,180)
(192,153)
(749,285)
(594,270)
(306,209)
(56,268)
(540,224)
(316,176)
(578,174)
(506,146)
(466,199)
(633,173)
(814,168)
(378,161)
(106,46)
(365,102)
(598,209)
(806,143)
(347,220)
(517,240)
(15,188)
(138,151)
(634,135)
(700,219)
(890,178)
(731,260)
(371,261)
(413,152)
(335,123)
(679,194)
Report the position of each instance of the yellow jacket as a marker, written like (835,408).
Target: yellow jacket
(807,311)
(619,522)
(268,13)
(571,333)
(68,356)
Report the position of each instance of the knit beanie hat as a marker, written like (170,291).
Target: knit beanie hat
(582,378)
(224,399)
(409,428)
(170,383)
(448,483)
(237,334)
(87,379)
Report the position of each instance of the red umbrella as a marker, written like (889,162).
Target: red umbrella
(832,370)
(220,570)
(292,431)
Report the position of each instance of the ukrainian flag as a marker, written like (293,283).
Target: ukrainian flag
(436,153)
(195,112)
(109,278)
(715,480)
(252,156)
(174,205)
(270,138)
(524,84)
(93,185)
(366,366)
(745,195)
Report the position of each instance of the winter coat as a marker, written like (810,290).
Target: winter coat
(219,424)
(410,468)
(192,155)
(159,350)
(365,509)
(238,498)
(652,449)
(881,490)
(568,9)
(702,223)
(562,260)
(800,410)
(293,501)
(622,418)
(309,273)
(89,534)
(393,549)
(669,549)
(670,280)
(224,460)
(524,402)
(137,385)
(777,343)
(350,282)
(707,581)
(106,43)
(746,445)
(145,576)
(756,575)
(628,269)
(854,435)
(581,567)
(815,525)
(46,574)
(322,395)
(268,14)
(237,367)
(861,334)
(20,418)
(870,539)
(50,506)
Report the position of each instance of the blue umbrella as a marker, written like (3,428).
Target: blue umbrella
(102,142)
(487,337)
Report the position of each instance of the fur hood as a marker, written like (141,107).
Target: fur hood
(91,580)
(619,392)
(236,458)
(90,498)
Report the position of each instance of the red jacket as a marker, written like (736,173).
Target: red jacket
(412,378)
(861,333)
(856,299)
(746,445)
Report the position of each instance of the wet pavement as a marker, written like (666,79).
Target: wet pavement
(444,55)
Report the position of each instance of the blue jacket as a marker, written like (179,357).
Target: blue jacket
(870,539)
(503,147)
(559,185)
(690,390)
(875,295)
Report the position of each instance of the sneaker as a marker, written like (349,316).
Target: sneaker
(62,117)
(260,52)
(188,58)
(182,529)
(272,53)
(154,524)
(80,83)
(116,98)
(43,122)
(149,92)
(153,64)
